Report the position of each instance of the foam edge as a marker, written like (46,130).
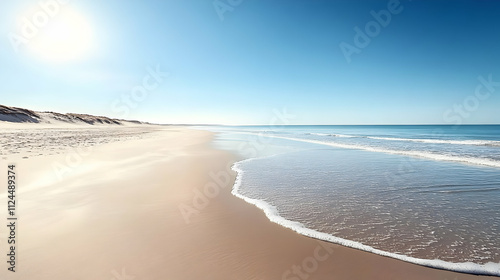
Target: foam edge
(271,212)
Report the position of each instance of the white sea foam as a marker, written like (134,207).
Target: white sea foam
(421,154)
(319,134)
(442,141)
(273,215)
(491,143)
(334,135)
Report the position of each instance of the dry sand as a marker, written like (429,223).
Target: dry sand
(112,211)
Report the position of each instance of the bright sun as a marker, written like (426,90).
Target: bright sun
(65,37)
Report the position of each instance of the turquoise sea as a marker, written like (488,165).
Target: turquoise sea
(423,194)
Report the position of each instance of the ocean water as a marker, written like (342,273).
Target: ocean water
(423,194)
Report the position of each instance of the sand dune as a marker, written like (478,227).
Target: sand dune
(20,115)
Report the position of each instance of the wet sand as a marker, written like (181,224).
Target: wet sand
(159,207)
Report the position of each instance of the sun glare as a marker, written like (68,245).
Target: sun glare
(66,36)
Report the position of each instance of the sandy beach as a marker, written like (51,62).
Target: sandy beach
(150,202)
(250,140)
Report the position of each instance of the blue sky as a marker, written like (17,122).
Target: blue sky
(422,67)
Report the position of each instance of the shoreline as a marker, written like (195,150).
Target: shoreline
(117,214)
(488,269)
